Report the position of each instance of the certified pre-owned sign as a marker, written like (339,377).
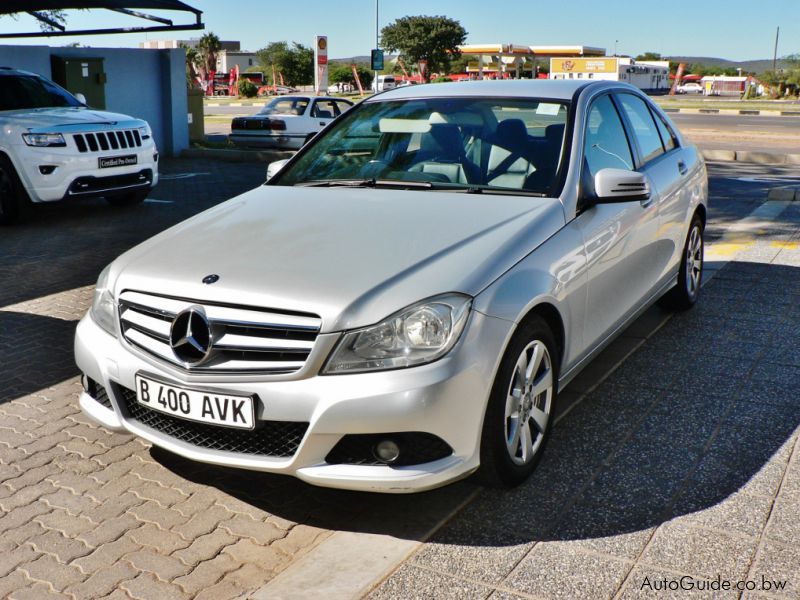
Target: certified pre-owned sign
(117,161)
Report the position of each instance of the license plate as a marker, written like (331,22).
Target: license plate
(203,406)
(117,161)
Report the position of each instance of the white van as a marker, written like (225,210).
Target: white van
(383,83)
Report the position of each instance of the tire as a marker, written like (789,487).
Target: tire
(129,199)
(690,274)
(14,202)
(506,459)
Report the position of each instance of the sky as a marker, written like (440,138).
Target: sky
(732,29)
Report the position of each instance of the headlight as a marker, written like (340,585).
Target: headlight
(104,309)
(44,140)
(416,335)
(145,132)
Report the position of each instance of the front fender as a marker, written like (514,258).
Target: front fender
(554,274)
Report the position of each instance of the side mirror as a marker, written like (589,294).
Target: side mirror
(274,167)
(80,98)
(620,185)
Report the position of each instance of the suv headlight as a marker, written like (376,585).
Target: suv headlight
(104,309)
(44,140)
(416,335)
(145,132)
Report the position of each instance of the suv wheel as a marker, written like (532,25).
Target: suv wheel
(128,199)
(519,415)
(13,199)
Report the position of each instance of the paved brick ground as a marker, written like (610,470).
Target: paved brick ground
(685,462)
(88,514)
(85,513)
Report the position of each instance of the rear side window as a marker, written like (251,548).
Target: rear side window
(605,145)
(644,128)
(667,137)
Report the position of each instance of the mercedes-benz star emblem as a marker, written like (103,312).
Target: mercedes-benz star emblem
(190,336)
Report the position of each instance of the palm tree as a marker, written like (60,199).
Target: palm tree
(207,49)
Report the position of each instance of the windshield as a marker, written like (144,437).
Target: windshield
(285,106)
(476,143)
(18,92)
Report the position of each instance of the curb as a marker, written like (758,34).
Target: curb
(262,156)
(764,158)
(268,156)
(732,111)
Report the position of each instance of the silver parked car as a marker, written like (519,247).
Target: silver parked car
(399,306)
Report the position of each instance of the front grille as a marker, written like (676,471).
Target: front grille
(89,185)
(278,439)
(246,340)
(103,141)
(416,448)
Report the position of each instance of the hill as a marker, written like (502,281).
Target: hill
(747,66)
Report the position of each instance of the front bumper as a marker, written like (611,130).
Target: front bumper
(446,398)
(268,140)
(72,167)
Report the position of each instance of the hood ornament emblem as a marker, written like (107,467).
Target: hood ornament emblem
(209,279)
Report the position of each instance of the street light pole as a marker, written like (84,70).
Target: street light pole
(615,46)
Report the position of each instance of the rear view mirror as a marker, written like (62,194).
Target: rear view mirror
(620,185)
(274,167)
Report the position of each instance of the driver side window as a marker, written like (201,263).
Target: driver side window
(605,143)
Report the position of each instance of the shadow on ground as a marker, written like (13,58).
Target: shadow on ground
(694,416)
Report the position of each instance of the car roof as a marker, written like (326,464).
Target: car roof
(551,89)
(13,71)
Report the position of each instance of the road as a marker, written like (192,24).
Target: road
(709,131)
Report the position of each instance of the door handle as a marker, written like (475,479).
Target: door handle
(322,123)
(682,167)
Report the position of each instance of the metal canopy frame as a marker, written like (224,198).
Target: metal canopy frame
(126,7)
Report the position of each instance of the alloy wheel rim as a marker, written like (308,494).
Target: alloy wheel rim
(694,261)
(528,403)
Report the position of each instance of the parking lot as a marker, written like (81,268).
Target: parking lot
(682,462)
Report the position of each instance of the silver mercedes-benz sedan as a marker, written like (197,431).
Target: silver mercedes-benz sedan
(400,304)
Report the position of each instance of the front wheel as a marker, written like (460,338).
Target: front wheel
(690,276)
(519,414)
(14,203)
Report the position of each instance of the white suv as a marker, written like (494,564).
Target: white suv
(53,147)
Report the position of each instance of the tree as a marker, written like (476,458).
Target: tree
(57,16)
(434,39)
(649,56)
(343,73)
(295,62)
(785,81)
(192,60)
(207,50)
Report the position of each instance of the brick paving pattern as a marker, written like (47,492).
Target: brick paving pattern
(684,462)
(627,489)
(85,513)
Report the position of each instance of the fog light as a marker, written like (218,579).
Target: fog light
(46,169)
(386,451)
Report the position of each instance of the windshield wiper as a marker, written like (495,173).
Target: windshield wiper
(423,185)
(370,183)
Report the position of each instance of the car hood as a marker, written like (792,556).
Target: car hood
(351,256)
(65,119)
